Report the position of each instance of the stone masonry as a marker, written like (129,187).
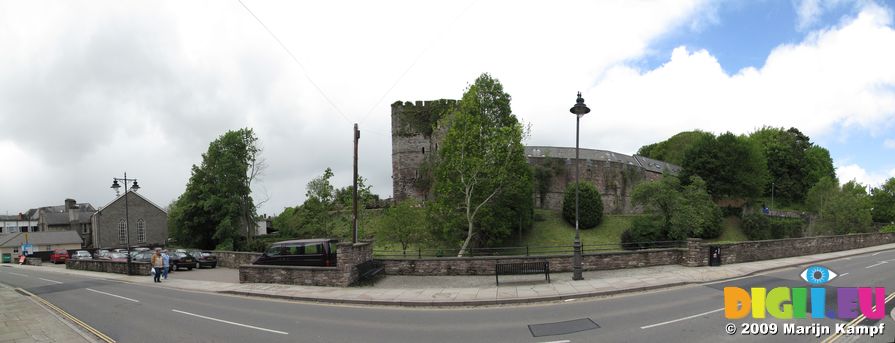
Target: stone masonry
(415,137)
(344,274)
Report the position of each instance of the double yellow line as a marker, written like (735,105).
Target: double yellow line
(860,318)
(68,316)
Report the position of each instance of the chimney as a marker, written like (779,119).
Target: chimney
(72,207)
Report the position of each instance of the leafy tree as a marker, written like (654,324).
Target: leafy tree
(321,188)
(590,205)
(673,149)
(841,210)
(683,211)
(482,159)
(794,163)
(883,200)
(344,197)
(216,210)
(730,166)
(404,223)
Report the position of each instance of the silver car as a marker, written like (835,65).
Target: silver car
(82,255)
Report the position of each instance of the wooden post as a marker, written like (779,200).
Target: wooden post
(354,219)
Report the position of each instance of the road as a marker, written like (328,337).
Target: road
(153,313)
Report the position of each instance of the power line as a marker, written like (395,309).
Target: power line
(415,60)
(302,66)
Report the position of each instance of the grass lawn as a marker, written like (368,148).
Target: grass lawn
(553,230)
(731,231)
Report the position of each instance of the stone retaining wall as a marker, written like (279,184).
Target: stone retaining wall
(139,268)
(558,263)
(345,273)
(780,248)
(234,259)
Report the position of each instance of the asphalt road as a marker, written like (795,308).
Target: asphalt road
(149,313)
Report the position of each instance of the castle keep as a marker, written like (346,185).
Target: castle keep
(416,135)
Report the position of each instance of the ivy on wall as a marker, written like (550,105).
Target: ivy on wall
(416,120)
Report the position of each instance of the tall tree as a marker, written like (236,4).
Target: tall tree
(482,158)
(841,209)
(730,165)
(883,199)
(216,210)
(673,149)
(794,163)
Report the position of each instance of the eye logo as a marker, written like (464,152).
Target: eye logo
(817,275)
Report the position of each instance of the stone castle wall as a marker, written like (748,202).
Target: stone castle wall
(415,137)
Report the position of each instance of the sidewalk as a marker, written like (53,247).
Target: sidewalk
(22,320)
(481,290)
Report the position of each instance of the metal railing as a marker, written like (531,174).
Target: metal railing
(528,250)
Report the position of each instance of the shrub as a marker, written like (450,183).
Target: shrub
(888,228)
(757,226)
(643,229)
(786,228)
(590,205)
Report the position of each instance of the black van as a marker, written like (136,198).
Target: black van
(301,252)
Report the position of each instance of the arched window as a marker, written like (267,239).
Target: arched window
(141,231)
(122,232)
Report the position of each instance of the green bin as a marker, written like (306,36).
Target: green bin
(7,258)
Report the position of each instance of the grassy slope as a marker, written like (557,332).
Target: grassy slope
(731,230)
(555,231)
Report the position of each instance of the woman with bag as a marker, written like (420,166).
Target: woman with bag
(158,263)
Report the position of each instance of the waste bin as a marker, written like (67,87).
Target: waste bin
(714,256)
(7,258)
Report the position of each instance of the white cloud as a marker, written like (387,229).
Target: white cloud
(889,143)
(810,11)
(835,78)
(850,172)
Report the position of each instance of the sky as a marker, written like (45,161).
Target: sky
(90,90)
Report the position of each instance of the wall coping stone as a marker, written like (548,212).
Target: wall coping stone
(261,266)
(516,257)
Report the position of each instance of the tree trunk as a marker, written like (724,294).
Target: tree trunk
(466,242)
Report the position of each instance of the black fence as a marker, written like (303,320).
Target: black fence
(417,253)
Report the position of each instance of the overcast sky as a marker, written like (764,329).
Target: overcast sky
(89,90)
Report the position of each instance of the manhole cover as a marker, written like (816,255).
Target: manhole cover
(562,328)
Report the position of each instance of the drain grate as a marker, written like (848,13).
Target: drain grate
(562,328)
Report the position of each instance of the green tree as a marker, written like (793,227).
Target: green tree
(794,163)
(682,211)
(673,149)
(731,166)
(841,209)
(883,200)
(590,205)
(321,188)
(216,210)
(482,160)
(404,223)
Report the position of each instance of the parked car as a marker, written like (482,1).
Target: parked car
(301,252)
(119,250)
(82,255)
(182,260)
(59,256)
(204,258)
(100,254)
(146,256)
(115,257)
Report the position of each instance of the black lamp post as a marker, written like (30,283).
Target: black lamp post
(579,110)
(127,220)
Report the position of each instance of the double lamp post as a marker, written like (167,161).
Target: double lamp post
(127,220)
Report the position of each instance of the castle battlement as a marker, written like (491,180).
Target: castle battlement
(423,103)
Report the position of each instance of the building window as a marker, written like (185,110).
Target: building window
(424,150)
(122,232)
(84,228)
(141,231)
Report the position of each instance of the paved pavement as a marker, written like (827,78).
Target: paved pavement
(476,290)
(23,320)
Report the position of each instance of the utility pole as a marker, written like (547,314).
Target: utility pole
(354,219)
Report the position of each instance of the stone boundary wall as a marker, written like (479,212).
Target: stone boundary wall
(234,259)
(105,266)
(345,273)
(558,263)
(739,252)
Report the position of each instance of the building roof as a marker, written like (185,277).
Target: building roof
(122,196)
(40,238)
(601,155)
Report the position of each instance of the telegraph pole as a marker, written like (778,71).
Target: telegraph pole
(354,220)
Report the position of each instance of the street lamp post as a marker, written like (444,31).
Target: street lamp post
(579,110)
(127,220)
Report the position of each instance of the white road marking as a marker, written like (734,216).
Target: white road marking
(14,273)
(877,253)
(878,264)
(53,281)
(680,319)
(231,323)
(843,274)
(563,341)
(112,295)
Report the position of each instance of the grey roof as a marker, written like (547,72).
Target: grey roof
(41,238)
(601,155)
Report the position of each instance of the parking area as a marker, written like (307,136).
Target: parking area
(217,274)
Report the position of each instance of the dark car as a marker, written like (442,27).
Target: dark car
(101,254)
(301,252)
(146,256)
(182,260)
(205,258)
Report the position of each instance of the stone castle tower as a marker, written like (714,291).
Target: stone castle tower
(415,136)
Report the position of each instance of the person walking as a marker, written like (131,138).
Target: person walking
(157,263)
(167,259)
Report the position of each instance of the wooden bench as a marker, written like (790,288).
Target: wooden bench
(520,268)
